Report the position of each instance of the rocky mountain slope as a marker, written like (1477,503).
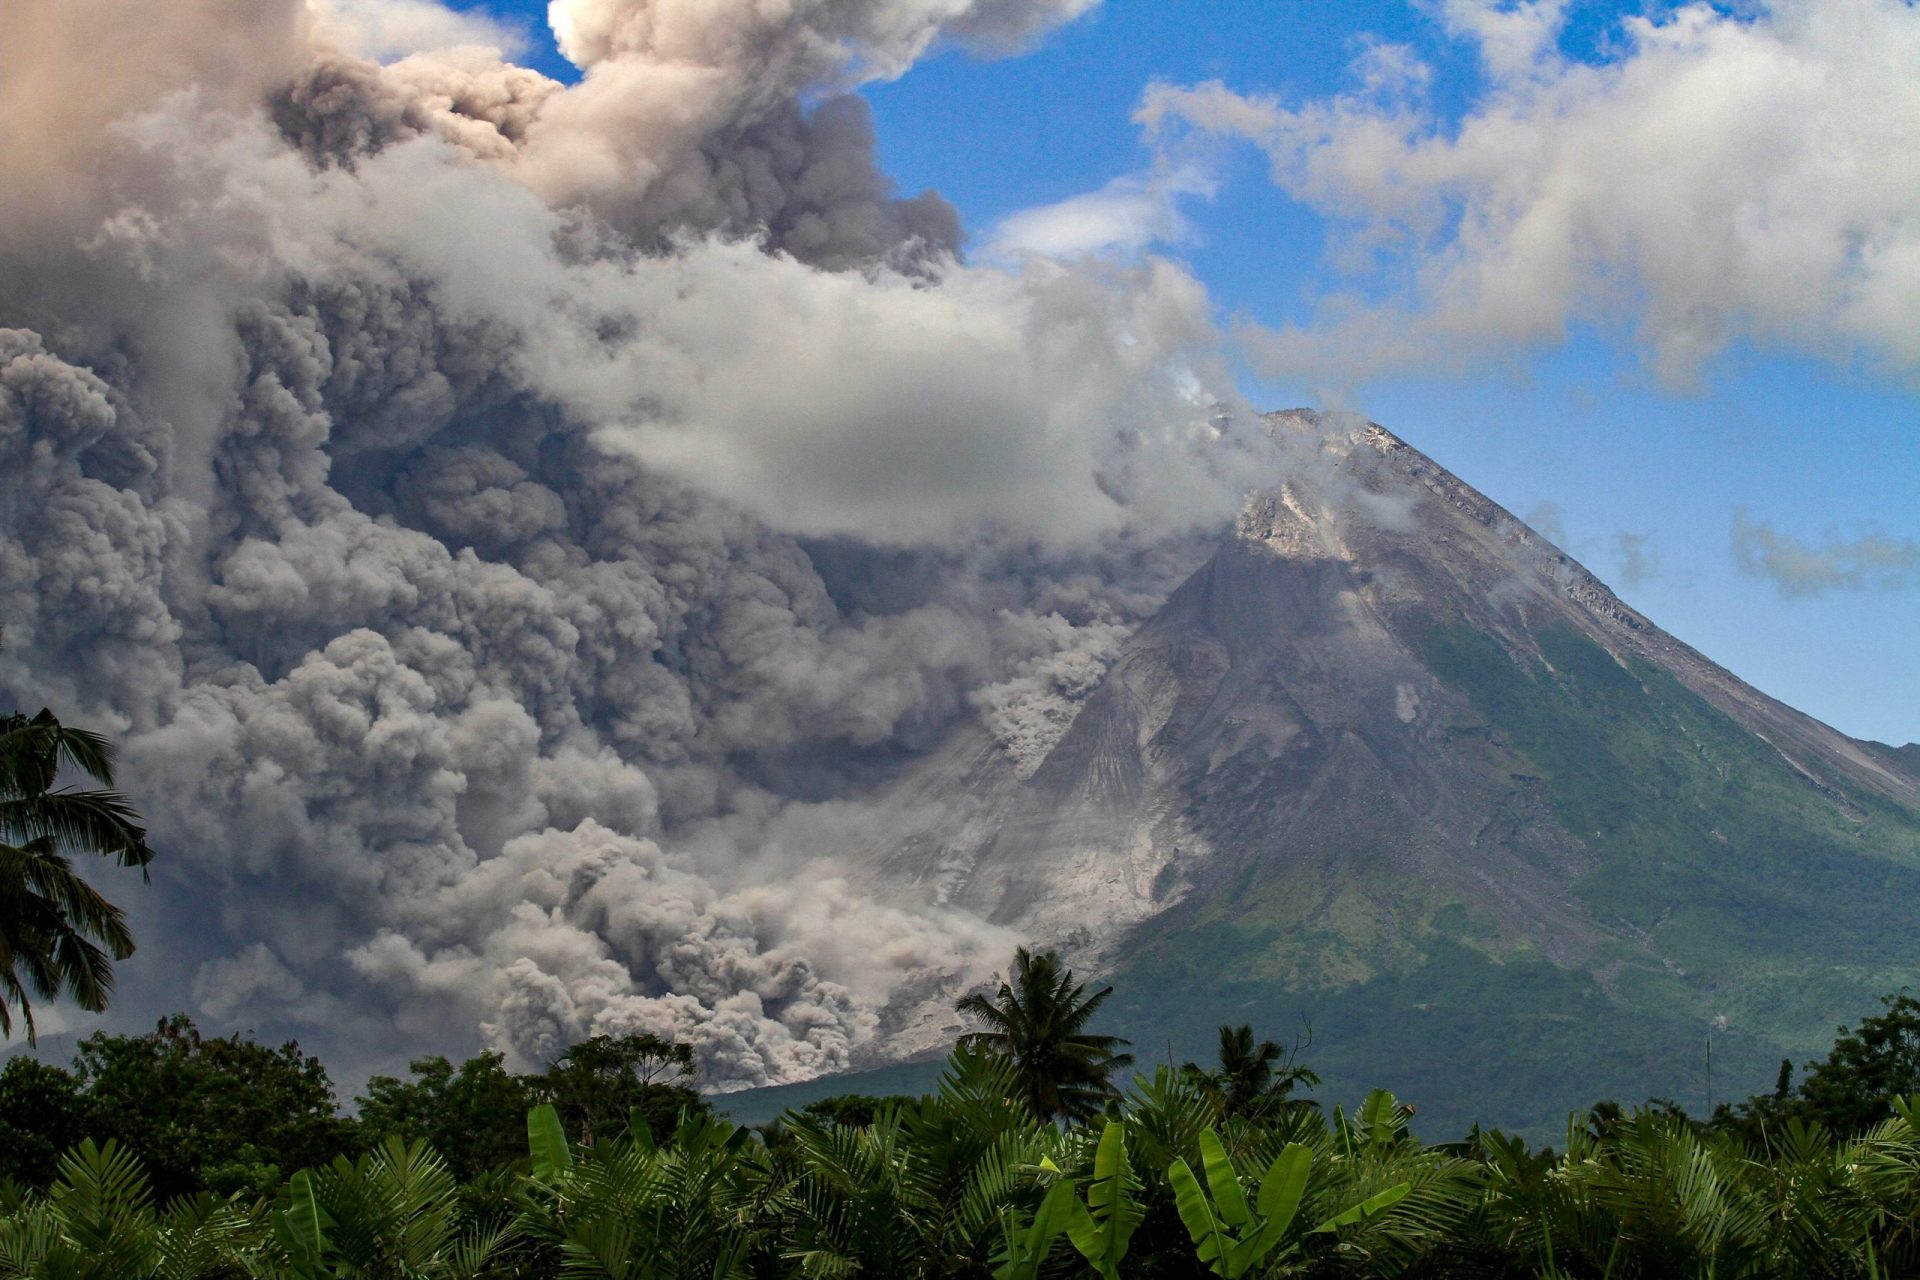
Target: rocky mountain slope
(1393,767)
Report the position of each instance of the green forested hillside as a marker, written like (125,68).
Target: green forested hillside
(1732,899)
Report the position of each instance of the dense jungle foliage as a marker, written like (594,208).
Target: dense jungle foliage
(1224,1170)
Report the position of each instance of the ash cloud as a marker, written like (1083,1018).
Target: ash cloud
(1638,557)
(1549,520)
(515,528)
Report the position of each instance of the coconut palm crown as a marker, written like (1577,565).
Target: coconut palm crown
(1253,1079)
(58,936)
(1038,1020)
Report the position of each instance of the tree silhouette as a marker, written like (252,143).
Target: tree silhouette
(1252,1079)
(598,1085)
(226,1113)
(1871,1064)
(57,934)
(1039,1022)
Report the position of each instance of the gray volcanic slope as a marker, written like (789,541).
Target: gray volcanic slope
(1392,766)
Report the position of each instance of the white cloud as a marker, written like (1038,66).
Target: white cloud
(1514,39)
(385,30)
(1129,214)
(1724,178)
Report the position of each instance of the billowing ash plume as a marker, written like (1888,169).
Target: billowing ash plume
(511,525)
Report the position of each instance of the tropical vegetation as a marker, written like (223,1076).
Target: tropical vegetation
(58,935)
(1219,1170)
(1038,1021)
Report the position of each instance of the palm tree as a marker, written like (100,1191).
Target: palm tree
(98,1222)
(57,934)
(1252,1079)
(1038,1021)
(626,1206)
(397,1211)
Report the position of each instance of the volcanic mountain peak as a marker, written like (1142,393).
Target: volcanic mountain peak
(1503,574)
(1388,737)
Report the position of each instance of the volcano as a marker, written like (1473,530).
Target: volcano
(1392,776)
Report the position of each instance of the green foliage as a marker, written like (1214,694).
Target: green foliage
(966,1184)
(625,1208)
(42,1114)
(98,1222)
(393,1212)
(1233,1235)
(58,935)
(1177,1180)
(1253,1079)
(1846,1092)
(1652,1195)
(598,1084)
(1102,1228)
(931,1185)
(855,1109)
(1523,1022)
(547,1148)
(1718,879)
(473,1114)
(1028,1240)
(222,1113)
(1706,839)
(1038,1022)
(230,1115)
(1878,1059)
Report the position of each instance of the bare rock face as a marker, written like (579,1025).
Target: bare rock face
(1390,738)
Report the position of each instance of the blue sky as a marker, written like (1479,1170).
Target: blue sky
(1642,477)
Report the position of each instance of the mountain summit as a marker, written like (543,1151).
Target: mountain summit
(1393,767)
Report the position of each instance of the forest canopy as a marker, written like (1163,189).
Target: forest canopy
(178,1154)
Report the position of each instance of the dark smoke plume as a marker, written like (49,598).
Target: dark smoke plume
(512,527)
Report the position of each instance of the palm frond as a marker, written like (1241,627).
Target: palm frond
(101,821)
